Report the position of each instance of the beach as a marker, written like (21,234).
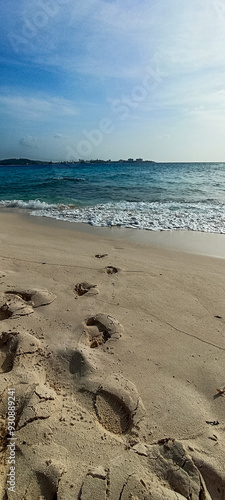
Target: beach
(115,350)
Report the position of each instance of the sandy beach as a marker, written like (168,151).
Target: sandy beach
(115,352)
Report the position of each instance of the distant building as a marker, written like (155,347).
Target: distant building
(139,160)
(130,160)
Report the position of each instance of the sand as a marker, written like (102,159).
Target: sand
(116,351)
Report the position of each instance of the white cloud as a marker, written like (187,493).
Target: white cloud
(28,141)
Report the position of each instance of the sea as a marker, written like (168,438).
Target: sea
(141,195)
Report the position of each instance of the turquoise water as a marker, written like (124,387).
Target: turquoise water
(156,196)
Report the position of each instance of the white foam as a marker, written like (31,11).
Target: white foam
(152,216)
(30,205)
(155,216)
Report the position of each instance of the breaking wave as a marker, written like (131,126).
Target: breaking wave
(155,216)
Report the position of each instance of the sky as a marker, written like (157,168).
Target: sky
(112,79)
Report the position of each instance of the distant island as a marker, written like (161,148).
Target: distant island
(27,161)
(22,161)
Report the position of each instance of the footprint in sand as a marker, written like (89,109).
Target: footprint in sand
(101,328)
(37,297)
(112,412)
(8,348)
(111,270)
(22,353)
(21,302)
(116,404)
(85,288)
(14,307)
(100,256)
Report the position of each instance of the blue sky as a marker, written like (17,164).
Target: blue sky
(113,79)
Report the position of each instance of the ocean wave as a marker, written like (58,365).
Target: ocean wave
(151,216)
(155,216)
(29,205)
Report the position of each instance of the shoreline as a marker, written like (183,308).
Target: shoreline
(191,242)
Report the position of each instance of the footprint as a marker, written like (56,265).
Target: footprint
(115,402)
(100,256)
(20,302)
(84,287)
(111,270)
(101,328)
(14,306)
(112,412)
(22,353)
(23,295)
(8,348)
(36,297)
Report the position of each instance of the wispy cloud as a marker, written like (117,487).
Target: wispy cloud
(74,59)
(116,40)
(37,108)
